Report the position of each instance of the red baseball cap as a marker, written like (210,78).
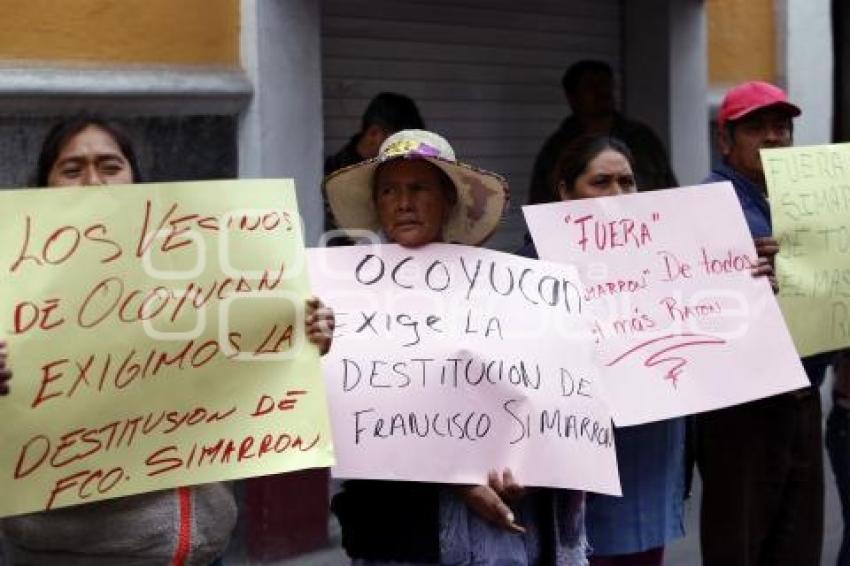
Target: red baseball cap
(751,96)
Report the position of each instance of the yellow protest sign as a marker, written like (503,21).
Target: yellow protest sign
(809,191)
(156,338)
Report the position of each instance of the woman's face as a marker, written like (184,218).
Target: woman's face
(412,202)
(607,174)
(89,158)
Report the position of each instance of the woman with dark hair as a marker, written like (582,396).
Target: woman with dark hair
(110,156)
(183,526)
(595,166)
(630,530)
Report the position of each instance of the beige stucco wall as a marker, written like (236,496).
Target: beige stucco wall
(741,41)
(147,32)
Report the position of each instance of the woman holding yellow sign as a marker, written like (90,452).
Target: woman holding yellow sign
(183,526)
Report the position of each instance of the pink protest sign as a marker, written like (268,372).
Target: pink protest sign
(450,361)
(681,324)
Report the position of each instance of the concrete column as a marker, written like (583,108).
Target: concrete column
(280,134)
(646,64)
(666,78)
(805,65)
(689,109)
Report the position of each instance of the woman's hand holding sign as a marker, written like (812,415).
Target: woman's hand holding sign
(486,503)
(505,485)
(319,324)
(489,501)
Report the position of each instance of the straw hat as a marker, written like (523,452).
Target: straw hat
(482,196)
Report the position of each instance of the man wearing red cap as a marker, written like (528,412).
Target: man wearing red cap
(761,462)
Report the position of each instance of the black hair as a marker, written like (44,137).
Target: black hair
(578,154)
(393,112)
(575,72)
(62,132)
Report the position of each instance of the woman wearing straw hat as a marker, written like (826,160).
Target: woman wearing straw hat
(414,193)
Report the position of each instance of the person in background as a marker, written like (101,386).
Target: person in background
(386,114)
(838,446)
(589,88)
(631,530)
(761,462)
(184,526)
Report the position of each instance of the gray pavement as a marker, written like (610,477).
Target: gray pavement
(685,551)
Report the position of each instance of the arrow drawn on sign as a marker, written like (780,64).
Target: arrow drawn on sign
(669,343)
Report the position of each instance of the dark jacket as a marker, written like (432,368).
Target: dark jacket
(345,157)
(389,521)
(652,166)
(384,521)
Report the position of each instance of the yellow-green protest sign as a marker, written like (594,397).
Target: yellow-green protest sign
(809,191)
(156,338)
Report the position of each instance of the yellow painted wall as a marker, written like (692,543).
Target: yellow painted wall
(741,41)
(169,32)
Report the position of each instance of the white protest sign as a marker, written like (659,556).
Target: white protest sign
(682,326)
(451,361)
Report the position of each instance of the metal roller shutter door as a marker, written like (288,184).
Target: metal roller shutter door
(485,73)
